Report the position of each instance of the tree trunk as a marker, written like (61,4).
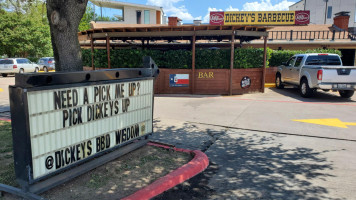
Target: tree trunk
(64,17)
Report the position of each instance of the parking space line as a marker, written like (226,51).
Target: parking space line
(278,101)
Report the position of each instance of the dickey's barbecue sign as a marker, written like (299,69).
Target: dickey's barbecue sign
(260,18)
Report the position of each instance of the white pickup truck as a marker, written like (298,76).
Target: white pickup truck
(317,71)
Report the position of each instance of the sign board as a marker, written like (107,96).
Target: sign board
(245,82)
(58,126)
(206,75)
(179,80)
(259,17)
(73,123)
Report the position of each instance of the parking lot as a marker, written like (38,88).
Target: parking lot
(258,150)
(274,145)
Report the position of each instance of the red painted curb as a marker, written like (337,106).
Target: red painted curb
(198,164)
(5,119)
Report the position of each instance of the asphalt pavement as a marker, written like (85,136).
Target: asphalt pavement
(4,94)
(257,150)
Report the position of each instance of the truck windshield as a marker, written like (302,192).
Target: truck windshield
(323,60)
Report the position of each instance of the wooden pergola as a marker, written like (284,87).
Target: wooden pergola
(185,32)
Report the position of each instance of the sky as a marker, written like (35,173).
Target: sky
(188,10)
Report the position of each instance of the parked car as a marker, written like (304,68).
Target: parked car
(317,71)
(46,63)
(17,65)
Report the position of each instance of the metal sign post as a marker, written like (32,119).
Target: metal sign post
(62,120)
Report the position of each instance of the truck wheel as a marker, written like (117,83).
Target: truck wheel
(4,75)
(346,93)
(305,90)
(279,83)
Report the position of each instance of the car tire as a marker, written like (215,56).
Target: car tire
(346,93)
(278,82)
(4,75)
(21,71)
(45,69)
(36,70)
(305,90)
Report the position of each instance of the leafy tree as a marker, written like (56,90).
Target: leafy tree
(25,30)
(87,18)
(64,18)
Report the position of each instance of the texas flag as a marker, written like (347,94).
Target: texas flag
(179,80)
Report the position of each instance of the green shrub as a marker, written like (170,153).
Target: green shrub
(212,59)
(250,58)
(176,59)
(204,58)
(279,56)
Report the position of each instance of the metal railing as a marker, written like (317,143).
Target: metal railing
(310,35)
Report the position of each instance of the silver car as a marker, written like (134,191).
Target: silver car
(17,65)
(46,63)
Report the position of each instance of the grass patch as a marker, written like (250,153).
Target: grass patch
(7,169)
(97,181)
(5,137)
(123,176)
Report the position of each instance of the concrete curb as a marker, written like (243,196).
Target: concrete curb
(270,85)
(198,164)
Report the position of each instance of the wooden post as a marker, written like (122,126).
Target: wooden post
(264,63)
(92,51)
(143,44)
(108,50)
(193,63)
(232,59)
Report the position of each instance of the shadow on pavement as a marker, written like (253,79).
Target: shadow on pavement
(246,165)
(319,96)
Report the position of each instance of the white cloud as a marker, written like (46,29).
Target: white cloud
(266,5)
(206,18)
(230,8)
(171,9)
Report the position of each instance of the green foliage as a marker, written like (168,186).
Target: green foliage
(131,58)
(87,18)
(177,59)
(283,55)
(212,59)
(250,58)
(25,34)
(204,59)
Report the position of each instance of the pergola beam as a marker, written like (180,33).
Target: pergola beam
(163,34)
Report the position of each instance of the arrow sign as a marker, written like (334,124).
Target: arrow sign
(335,122)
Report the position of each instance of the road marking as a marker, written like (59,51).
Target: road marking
(335,122)
(1,90)
(300,102)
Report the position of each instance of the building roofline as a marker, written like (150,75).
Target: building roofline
(119,4)
(296,3)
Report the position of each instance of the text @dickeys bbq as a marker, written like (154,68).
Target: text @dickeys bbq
(71,124)
(83,150)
